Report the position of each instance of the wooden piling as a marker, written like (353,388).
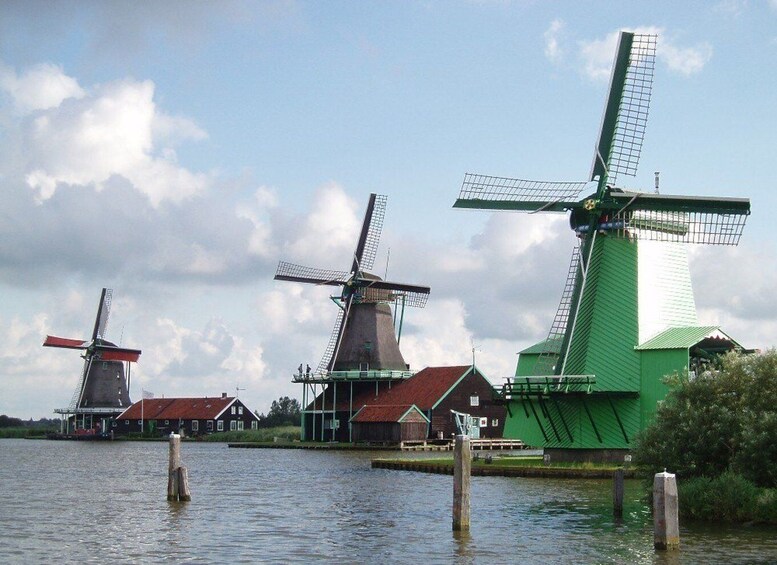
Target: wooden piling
(462,471)
(617,493)
(666,524)
(177,476)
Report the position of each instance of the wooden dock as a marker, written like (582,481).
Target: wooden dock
(475,445)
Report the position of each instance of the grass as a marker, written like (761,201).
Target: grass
(263,435)
(24,432)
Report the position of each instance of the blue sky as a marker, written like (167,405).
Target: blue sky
(176,151)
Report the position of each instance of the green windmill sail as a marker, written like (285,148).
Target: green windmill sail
(589,385)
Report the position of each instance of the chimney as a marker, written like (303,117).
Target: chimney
(223,395)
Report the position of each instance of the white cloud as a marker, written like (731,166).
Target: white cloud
(329,233)
(685,60)
(597,55)
(40,87)
(80,138)
(553,50)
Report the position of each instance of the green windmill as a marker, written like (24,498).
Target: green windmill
(627,316)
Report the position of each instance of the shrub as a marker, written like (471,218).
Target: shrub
(724,419)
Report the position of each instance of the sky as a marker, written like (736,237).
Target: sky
(176,151)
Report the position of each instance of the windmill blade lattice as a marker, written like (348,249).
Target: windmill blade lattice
(103,313)
(685,219)
(477,191)
(626,111)
(369,239)
(300,273)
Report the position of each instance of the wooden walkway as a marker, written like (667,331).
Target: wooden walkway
(475,445)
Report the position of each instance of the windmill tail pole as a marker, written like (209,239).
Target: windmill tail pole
(177,476)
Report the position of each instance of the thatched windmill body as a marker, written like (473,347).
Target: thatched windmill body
(103,387)
(627,314)
(363,349)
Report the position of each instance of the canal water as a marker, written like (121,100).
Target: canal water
(81,502)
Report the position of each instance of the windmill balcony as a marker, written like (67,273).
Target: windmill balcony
(356,375)
(544,384)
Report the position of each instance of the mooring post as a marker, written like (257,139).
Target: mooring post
(666,525)
(462,468)
(617,493)
(177,476)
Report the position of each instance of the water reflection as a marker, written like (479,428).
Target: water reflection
(89,503)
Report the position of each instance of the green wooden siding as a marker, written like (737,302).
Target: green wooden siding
(523,425)
(656,364)
(606,327)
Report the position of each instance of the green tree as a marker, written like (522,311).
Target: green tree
(283,412)
(720,420)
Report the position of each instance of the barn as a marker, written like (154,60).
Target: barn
(392,424)
(188,416)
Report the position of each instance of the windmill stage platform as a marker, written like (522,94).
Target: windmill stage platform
(323,377)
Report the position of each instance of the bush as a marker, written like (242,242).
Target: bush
(288,433)
(721,420)
(729,497)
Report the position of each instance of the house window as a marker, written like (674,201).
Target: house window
(240,410)
(494,422)
(140,422)
(220,426)
(233,425)
(167,422)
(253,425)
(483,423)
(240,425)
(474,400)
(233,410)
(209,426)
(195,425)
(126,422)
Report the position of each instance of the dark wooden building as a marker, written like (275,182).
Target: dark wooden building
(438,390)
(435,391)
(378,423)
(188,416)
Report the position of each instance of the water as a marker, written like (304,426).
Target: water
(81,502)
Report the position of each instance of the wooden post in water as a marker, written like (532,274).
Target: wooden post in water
(462,470)
(617,493)
(177,476)
(666,525)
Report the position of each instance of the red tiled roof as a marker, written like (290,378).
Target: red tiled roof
(424,388)
(177,408)
(382,413)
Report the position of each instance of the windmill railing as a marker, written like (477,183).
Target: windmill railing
(91,410)
(332,376)
(545,384)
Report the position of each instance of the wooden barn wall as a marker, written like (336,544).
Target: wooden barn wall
(459,399)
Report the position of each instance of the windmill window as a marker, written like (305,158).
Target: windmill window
(220,426)
(474,400)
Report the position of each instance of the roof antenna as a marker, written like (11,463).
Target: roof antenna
(657,173)
(237,390)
